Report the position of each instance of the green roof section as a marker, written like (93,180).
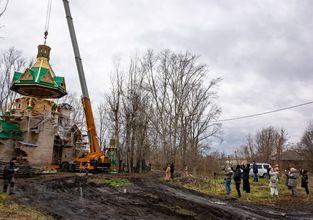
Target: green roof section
(16,76)
(9,130)
(59,80)
(37,79)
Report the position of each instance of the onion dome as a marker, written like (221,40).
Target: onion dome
(39,80)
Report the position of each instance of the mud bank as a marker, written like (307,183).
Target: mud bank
(78,197)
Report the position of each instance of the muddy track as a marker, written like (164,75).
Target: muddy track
(75,197)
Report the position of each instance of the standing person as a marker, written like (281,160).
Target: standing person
(8,176)
(287,177)
(274,178)
(304,180)
(186,171)
(168,172)
(228,174)
(268,170)
(245,177)
(237,179)
(172,169)
(255,172)
(292,181)
(87,167)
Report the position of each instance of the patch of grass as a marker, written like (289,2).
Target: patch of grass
(185,212)
(260,191)
(3,196)
(179,210)
(11,210)
(116,182)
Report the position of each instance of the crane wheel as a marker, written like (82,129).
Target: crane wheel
(65,166)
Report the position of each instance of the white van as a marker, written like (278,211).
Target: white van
(262,169)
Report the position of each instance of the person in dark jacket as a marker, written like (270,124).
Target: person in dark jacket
(172,169)
(237,178)
(8,176)
(245,177)
(304,180)
(268,172)
(255,172)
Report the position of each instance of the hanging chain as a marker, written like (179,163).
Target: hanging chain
(47,20)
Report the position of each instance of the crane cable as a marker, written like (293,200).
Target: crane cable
(47,20)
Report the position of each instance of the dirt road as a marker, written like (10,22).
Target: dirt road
(76,197)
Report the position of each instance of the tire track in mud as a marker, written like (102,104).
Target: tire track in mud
(237,210)
(210,208)
(74,197)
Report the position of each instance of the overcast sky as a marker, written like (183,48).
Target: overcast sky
(262,49)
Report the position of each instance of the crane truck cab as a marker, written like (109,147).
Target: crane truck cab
(99,162)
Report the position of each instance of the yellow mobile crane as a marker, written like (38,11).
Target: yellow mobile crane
(96,157)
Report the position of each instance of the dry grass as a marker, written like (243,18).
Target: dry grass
(10,210)
(260,192)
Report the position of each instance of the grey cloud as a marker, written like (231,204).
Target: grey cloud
(262,49)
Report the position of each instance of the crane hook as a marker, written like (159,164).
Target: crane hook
(45,36)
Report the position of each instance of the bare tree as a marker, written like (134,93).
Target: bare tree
(102,125)
(10,61)
(247,150)
(307,143)
(280,145)
(183,111)
(270,141)
(3,6)
(112,106)
(163,107)
(135,106)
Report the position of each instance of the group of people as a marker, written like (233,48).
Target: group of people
(169,172)
(243,171)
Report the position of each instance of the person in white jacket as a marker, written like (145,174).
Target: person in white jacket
(292,181)
(274,181)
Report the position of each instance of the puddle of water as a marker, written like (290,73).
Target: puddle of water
(81,192)
(220,203)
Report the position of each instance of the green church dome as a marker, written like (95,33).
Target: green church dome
(39,80)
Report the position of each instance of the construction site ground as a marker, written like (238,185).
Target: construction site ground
(75,196)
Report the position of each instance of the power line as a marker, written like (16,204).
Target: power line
(265,113)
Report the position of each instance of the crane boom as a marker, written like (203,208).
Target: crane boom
(92,133)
